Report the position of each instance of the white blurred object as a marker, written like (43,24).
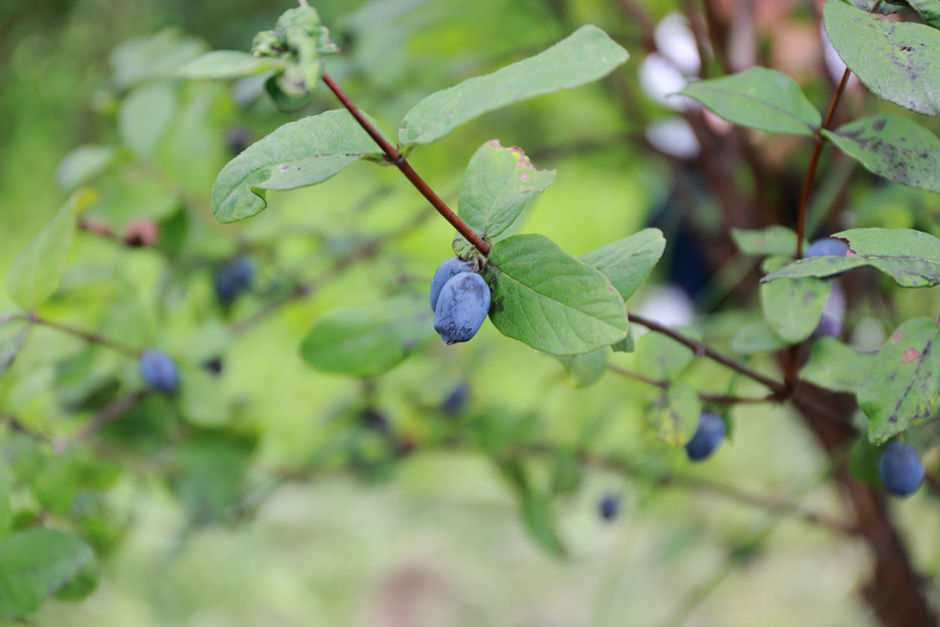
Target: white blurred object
(673,136)
(869,334)
(668,305)
(835,304)
(661,79)
(833,62)
(675,41)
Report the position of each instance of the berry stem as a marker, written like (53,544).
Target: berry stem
(720,399)
(396,158)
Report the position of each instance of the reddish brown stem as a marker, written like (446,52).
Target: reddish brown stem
(394,156)
(720,399)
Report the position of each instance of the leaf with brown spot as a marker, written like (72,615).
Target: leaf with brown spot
(902,389)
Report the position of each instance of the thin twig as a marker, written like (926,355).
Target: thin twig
(88,336)
(108,414)
(701,350)
(394,156)
(719,399)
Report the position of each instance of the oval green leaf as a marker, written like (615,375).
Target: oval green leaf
(766,100)
(551,301)
(224,64)
(368,341)
(792,307)
(898,61)
(837,366)
(902,388)
(36,563)
(584,370)
(627,263)
(674,415)
(911,258)
(773,240)
(299,154)
(893,147)
(497,186)
(585,56)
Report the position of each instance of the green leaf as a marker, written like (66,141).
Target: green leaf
(863,462)
(145,115)
(368,341)
(766,100)
(628,262)
(547,299)
(773,240)
(893,147)
(661,357)
(911,258)
(792,307)
(6,510)
(898,61)
(584,370)
(83,164)
(284,100)
(36,563)
(674,415)
(13,335)
(882,8)
(201,399)
(35,275)
(536,512)
(903,386)
(757,337)
(497,186)
(586,55)
(837,366)
(210,472)
(929,11)
(298,154)
(225,64)
(626,345)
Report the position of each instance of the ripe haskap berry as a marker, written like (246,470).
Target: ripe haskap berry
(827,246)
(158,371)
(609,507)
(445,272)
(900,469)
(710,433)
(829,326)
(456,401)
(461,307)
(232,279)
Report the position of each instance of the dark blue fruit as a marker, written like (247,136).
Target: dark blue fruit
(900,469)
(827,246)
(456,401)
(232,279)
(445,272)
(461,307)
(609,507)
(710,433)
(158,371)
(829,326)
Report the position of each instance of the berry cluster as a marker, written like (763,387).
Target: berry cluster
(460,299)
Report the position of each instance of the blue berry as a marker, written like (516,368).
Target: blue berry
(829,326)
(900,469)
(609,507)
(710,433)
(461,308)
(158,371)
(445,272)
(232,279)
(827,246)
(456,401)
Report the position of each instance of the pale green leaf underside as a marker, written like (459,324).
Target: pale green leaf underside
(497,185)
(675,415)
(585,56)
(298,154)
(757,337)
(898,61)
(661,357)
(792,307)
(929,11)
(222,64)
(837,366)
(35,275)
(584,370)
(34,564)
(627,263)
(773,240)
(894,147)
(759,98)
(547,299)
(368,341)
(912,258)
(902,388)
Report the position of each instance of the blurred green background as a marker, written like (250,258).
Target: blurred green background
(436,539)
